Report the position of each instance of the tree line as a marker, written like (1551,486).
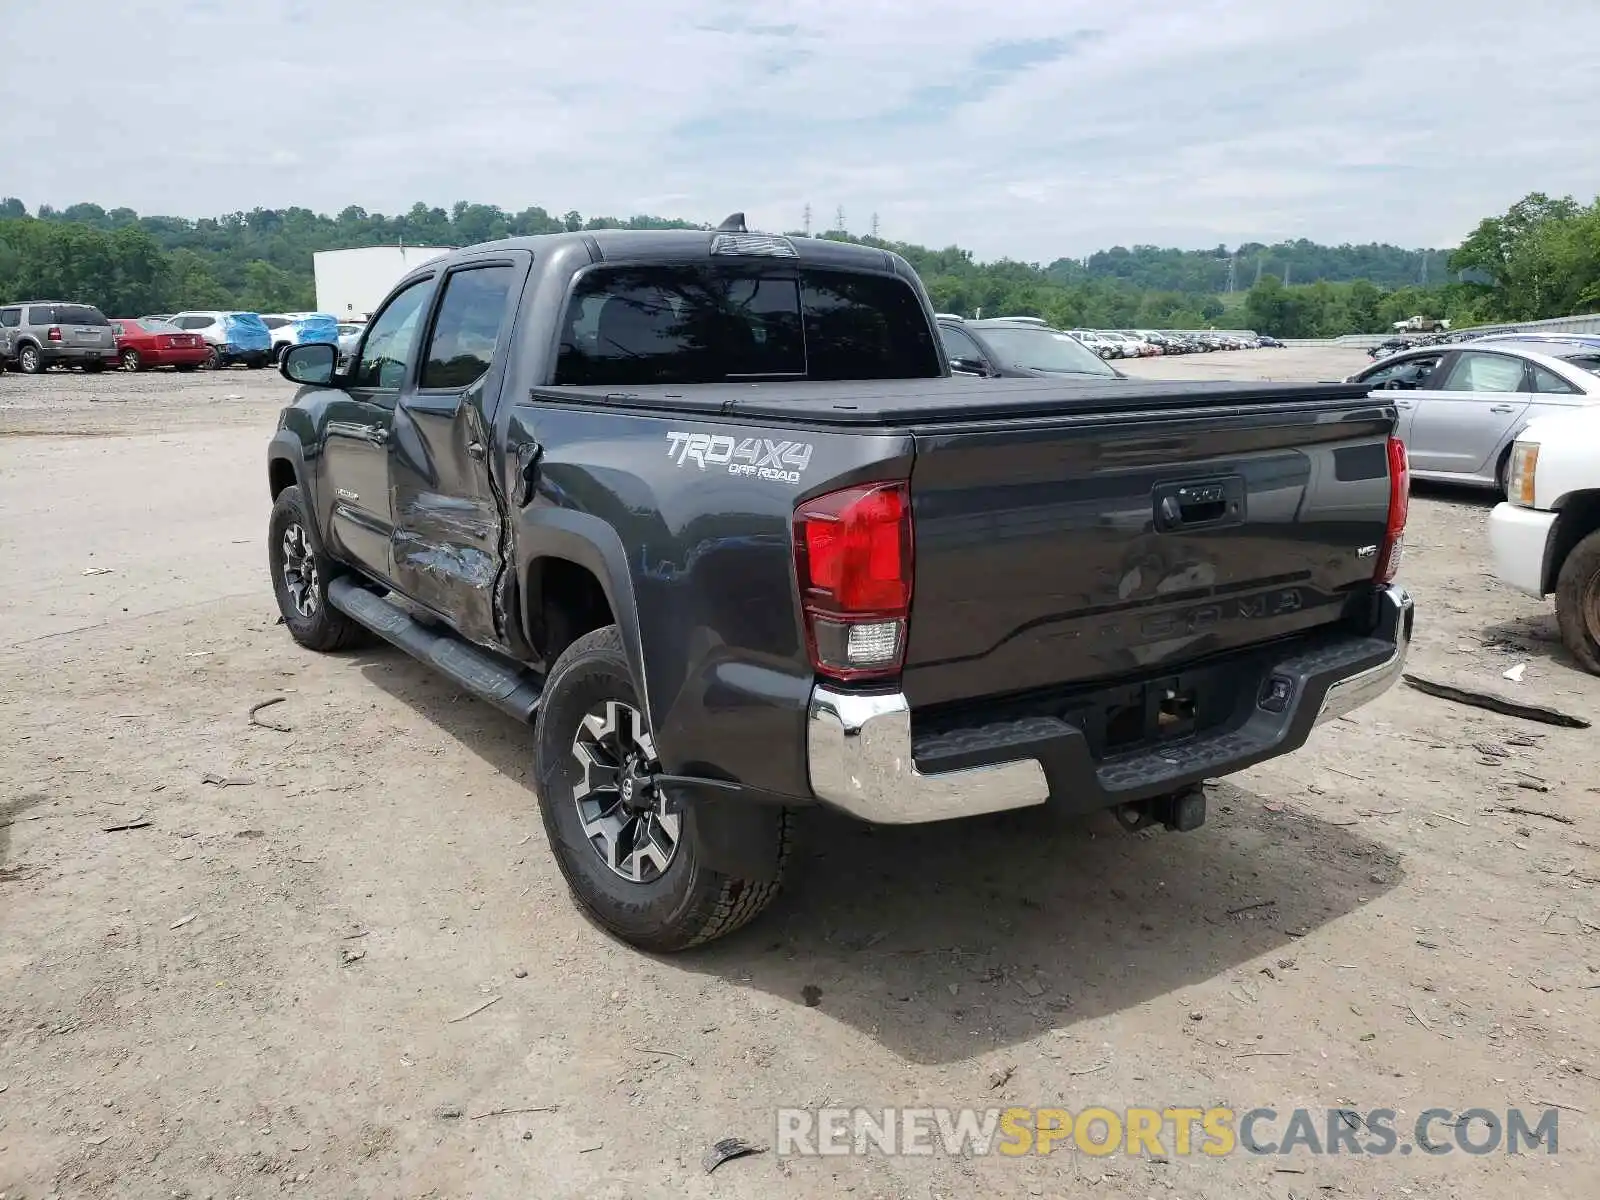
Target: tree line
(1542,258)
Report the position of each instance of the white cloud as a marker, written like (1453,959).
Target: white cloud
(1033,129)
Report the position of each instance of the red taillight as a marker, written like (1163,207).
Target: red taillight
(168,341)
(1394,533)
(55,333)
(852,556)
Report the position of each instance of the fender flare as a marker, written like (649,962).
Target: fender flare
(594,545)
(286,447)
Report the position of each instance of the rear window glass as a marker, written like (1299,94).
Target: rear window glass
(248,320)
(150,325)
(687,324)
(78,314)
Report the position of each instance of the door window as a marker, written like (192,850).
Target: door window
(1409,373)
(959,344)
(467,328)
(1550,384)
(389,340)
(1477,371)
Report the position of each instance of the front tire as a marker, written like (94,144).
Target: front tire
(300,577)
(1578,602)
(636,872)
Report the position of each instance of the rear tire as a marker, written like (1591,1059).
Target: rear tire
(636,873)
(131,361)
(213,360)
(300,577)
(1578,602)
(30,361)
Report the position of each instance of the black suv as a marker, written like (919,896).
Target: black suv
(1015,347)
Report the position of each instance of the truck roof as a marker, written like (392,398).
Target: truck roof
(669,244)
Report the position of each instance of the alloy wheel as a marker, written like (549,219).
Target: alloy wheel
(300,571)
(618,814)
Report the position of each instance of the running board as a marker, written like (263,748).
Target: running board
(504,685)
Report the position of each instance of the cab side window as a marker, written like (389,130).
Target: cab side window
(389,339)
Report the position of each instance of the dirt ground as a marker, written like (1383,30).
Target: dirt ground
(264,988)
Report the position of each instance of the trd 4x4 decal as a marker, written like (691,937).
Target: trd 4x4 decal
(761,458)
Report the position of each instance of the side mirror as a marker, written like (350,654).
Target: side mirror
(968,366)
(310,362)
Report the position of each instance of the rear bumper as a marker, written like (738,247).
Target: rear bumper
(1520,540)
(863,759)
(53,353)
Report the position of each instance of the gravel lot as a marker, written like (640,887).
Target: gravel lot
(261,991)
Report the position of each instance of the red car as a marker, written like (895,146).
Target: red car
(147,342)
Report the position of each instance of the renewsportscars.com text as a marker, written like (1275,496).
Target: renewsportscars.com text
(1160,1132)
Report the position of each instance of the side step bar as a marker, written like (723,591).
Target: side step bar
(504,685)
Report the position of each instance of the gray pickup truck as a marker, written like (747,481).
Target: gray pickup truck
(708,509)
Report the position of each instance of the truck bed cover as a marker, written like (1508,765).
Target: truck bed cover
(924,401)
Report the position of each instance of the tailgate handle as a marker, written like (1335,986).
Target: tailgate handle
(1210,503)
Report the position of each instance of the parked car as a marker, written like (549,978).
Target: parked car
(681,536)
(1461,408)
(1096,342)
(349,334)
(1545,537)
(144,342)
(1016,349)
(293,329)
(1390,346)
(233,337)
(1268,342)
(39,334)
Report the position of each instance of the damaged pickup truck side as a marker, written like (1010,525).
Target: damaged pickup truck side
(708,509)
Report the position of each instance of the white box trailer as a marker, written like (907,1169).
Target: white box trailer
(352,283)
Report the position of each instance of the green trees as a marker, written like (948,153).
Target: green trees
(1542,258)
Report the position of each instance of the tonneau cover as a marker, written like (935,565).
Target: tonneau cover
(923,401)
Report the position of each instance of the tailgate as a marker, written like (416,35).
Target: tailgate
(1052,553)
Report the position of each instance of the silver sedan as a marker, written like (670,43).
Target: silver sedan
(1462,406)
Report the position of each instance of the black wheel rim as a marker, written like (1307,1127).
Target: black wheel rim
(300,571)
(615,753)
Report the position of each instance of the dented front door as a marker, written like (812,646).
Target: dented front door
(447,548)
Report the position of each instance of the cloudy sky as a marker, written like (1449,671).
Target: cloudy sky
(1032,128)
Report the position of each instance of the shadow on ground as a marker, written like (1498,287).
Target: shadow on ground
(941,940)
(1534,636)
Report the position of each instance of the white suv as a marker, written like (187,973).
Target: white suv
(1546,536)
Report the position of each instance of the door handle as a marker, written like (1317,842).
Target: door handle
(1502,408)
(1402,403)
